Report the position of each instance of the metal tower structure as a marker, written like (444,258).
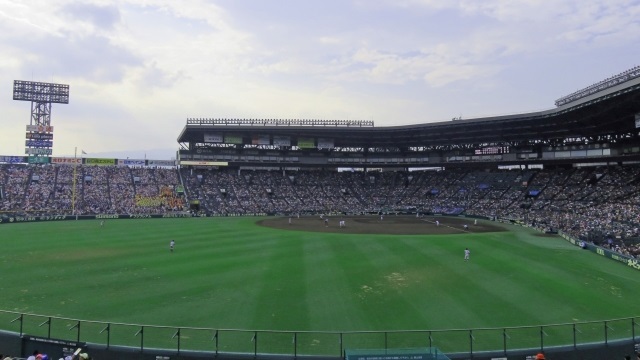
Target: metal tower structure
(39,137)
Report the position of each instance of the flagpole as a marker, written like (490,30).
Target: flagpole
(73,190)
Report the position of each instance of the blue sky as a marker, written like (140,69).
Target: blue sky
(138,69)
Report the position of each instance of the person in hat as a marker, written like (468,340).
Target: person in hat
(540,356)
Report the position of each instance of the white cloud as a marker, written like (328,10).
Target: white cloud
(96,16)
(329,40)
(22,21)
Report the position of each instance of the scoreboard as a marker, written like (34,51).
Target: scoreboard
(492,150)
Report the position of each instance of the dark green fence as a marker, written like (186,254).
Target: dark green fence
(319,343)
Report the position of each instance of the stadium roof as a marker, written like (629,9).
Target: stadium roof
(611,112)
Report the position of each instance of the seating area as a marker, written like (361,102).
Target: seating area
(49,190)
(597,204)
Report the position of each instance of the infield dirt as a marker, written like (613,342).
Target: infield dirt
(389,224)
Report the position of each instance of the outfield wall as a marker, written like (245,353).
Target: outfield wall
(15,219)
(627,260)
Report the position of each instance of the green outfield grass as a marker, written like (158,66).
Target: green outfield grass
(229,273)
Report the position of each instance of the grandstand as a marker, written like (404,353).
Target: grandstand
(573,169)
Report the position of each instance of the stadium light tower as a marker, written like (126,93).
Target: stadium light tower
(39,138)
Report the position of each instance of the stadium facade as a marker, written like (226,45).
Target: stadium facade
(588,127)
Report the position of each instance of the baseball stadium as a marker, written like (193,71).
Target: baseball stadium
(508,237)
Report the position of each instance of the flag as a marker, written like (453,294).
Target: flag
(84,152)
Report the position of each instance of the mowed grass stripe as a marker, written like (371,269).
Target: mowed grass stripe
(228,267)
(437,265)
(281,302)
(510,273)
(358,273)
(426,266)
(410,269)
(548,276)
(333,304)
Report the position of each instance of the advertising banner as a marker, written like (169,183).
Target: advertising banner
(39,136)
(232,139)
(64,160)
(96,161)
(281,141)
(212,137)
(38,159)
(38,143)
(260,140)
(40,128)
(37,151)
(324,143)
(627,260)
(15,219)
(161,163)
(12,159)
(204,163)
(11,219)
(306,143)
(131,162)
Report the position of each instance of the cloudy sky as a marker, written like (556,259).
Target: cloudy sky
(137,69)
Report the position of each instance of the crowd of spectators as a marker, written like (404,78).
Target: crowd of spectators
(596,204)
(88,190)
